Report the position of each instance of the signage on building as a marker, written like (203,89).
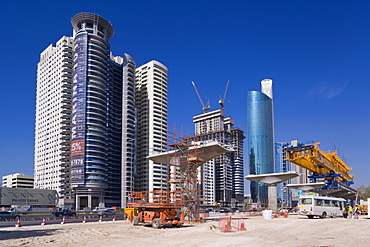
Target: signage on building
(79,112)
(35,197)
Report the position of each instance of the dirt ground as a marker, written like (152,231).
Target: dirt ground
(292,231)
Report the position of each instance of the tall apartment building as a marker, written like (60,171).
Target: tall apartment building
(151,103)
(222,179)
(17,180)
(85,99)
(53,120)
(260,137)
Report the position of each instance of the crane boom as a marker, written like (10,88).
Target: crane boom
(206,107)
(222,98)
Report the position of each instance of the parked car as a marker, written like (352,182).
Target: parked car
(209,210)
(106,212)
(224,210)
(64,212)
(8,215)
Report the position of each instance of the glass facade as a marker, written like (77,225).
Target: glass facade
(260,141)
(284,194)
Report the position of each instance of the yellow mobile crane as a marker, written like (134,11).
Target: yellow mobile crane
(325,166)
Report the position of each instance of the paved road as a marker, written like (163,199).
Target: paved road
(30,220)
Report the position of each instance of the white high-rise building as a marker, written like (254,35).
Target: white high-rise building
(151,103)
(85,118)
(53,118)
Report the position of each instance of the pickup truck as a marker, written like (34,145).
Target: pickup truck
(64,212)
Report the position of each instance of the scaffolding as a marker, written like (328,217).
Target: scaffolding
(184,169)
(185,156)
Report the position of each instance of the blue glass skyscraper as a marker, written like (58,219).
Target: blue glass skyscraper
(260,137)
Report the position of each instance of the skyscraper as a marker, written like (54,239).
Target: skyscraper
(53,120)
(151,103)
(85,99)
(260,137)
(222,179)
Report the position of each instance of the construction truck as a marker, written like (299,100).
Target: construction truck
(157,208)
(363,209)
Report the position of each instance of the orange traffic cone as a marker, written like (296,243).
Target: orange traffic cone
(242,227)
(18,223)
(63,220)
(100,218)
(114,217)
(43,222)
(84,220)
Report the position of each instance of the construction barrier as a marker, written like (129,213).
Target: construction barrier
(230,224)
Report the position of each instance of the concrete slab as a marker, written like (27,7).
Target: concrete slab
(207,152)
(307,187)
(272,178)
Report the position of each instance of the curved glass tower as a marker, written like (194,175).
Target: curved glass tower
(96,114)
(260,137)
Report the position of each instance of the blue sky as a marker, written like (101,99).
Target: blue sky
(316,52)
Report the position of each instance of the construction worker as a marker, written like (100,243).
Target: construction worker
(345,212)
(350,211)
(356,211)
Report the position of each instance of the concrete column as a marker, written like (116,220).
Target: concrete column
(77,202)
(89,200)
(272,194)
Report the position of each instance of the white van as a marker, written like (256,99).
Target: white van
(321,206)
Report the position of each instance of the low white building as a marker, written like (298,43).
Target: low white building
(18,180)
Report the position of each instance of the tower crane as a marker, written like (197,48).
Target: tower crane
(206,107)
(322,165)
(222,98)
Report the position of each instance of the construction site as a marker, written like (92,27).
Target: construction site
(183,201)
(189,192)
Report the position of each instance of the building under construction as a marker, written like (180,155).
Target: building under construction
(223,177)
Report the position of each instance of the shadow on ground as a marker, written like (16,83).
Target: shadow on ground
(7,235)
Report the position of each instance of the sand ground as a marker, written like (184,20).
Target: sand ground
(292,231)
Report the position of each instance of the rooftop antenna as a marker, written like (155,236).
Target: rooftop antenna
(222,98)
(206,107)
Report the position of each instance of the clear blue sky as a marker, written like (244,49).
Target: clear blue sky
(316,52)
